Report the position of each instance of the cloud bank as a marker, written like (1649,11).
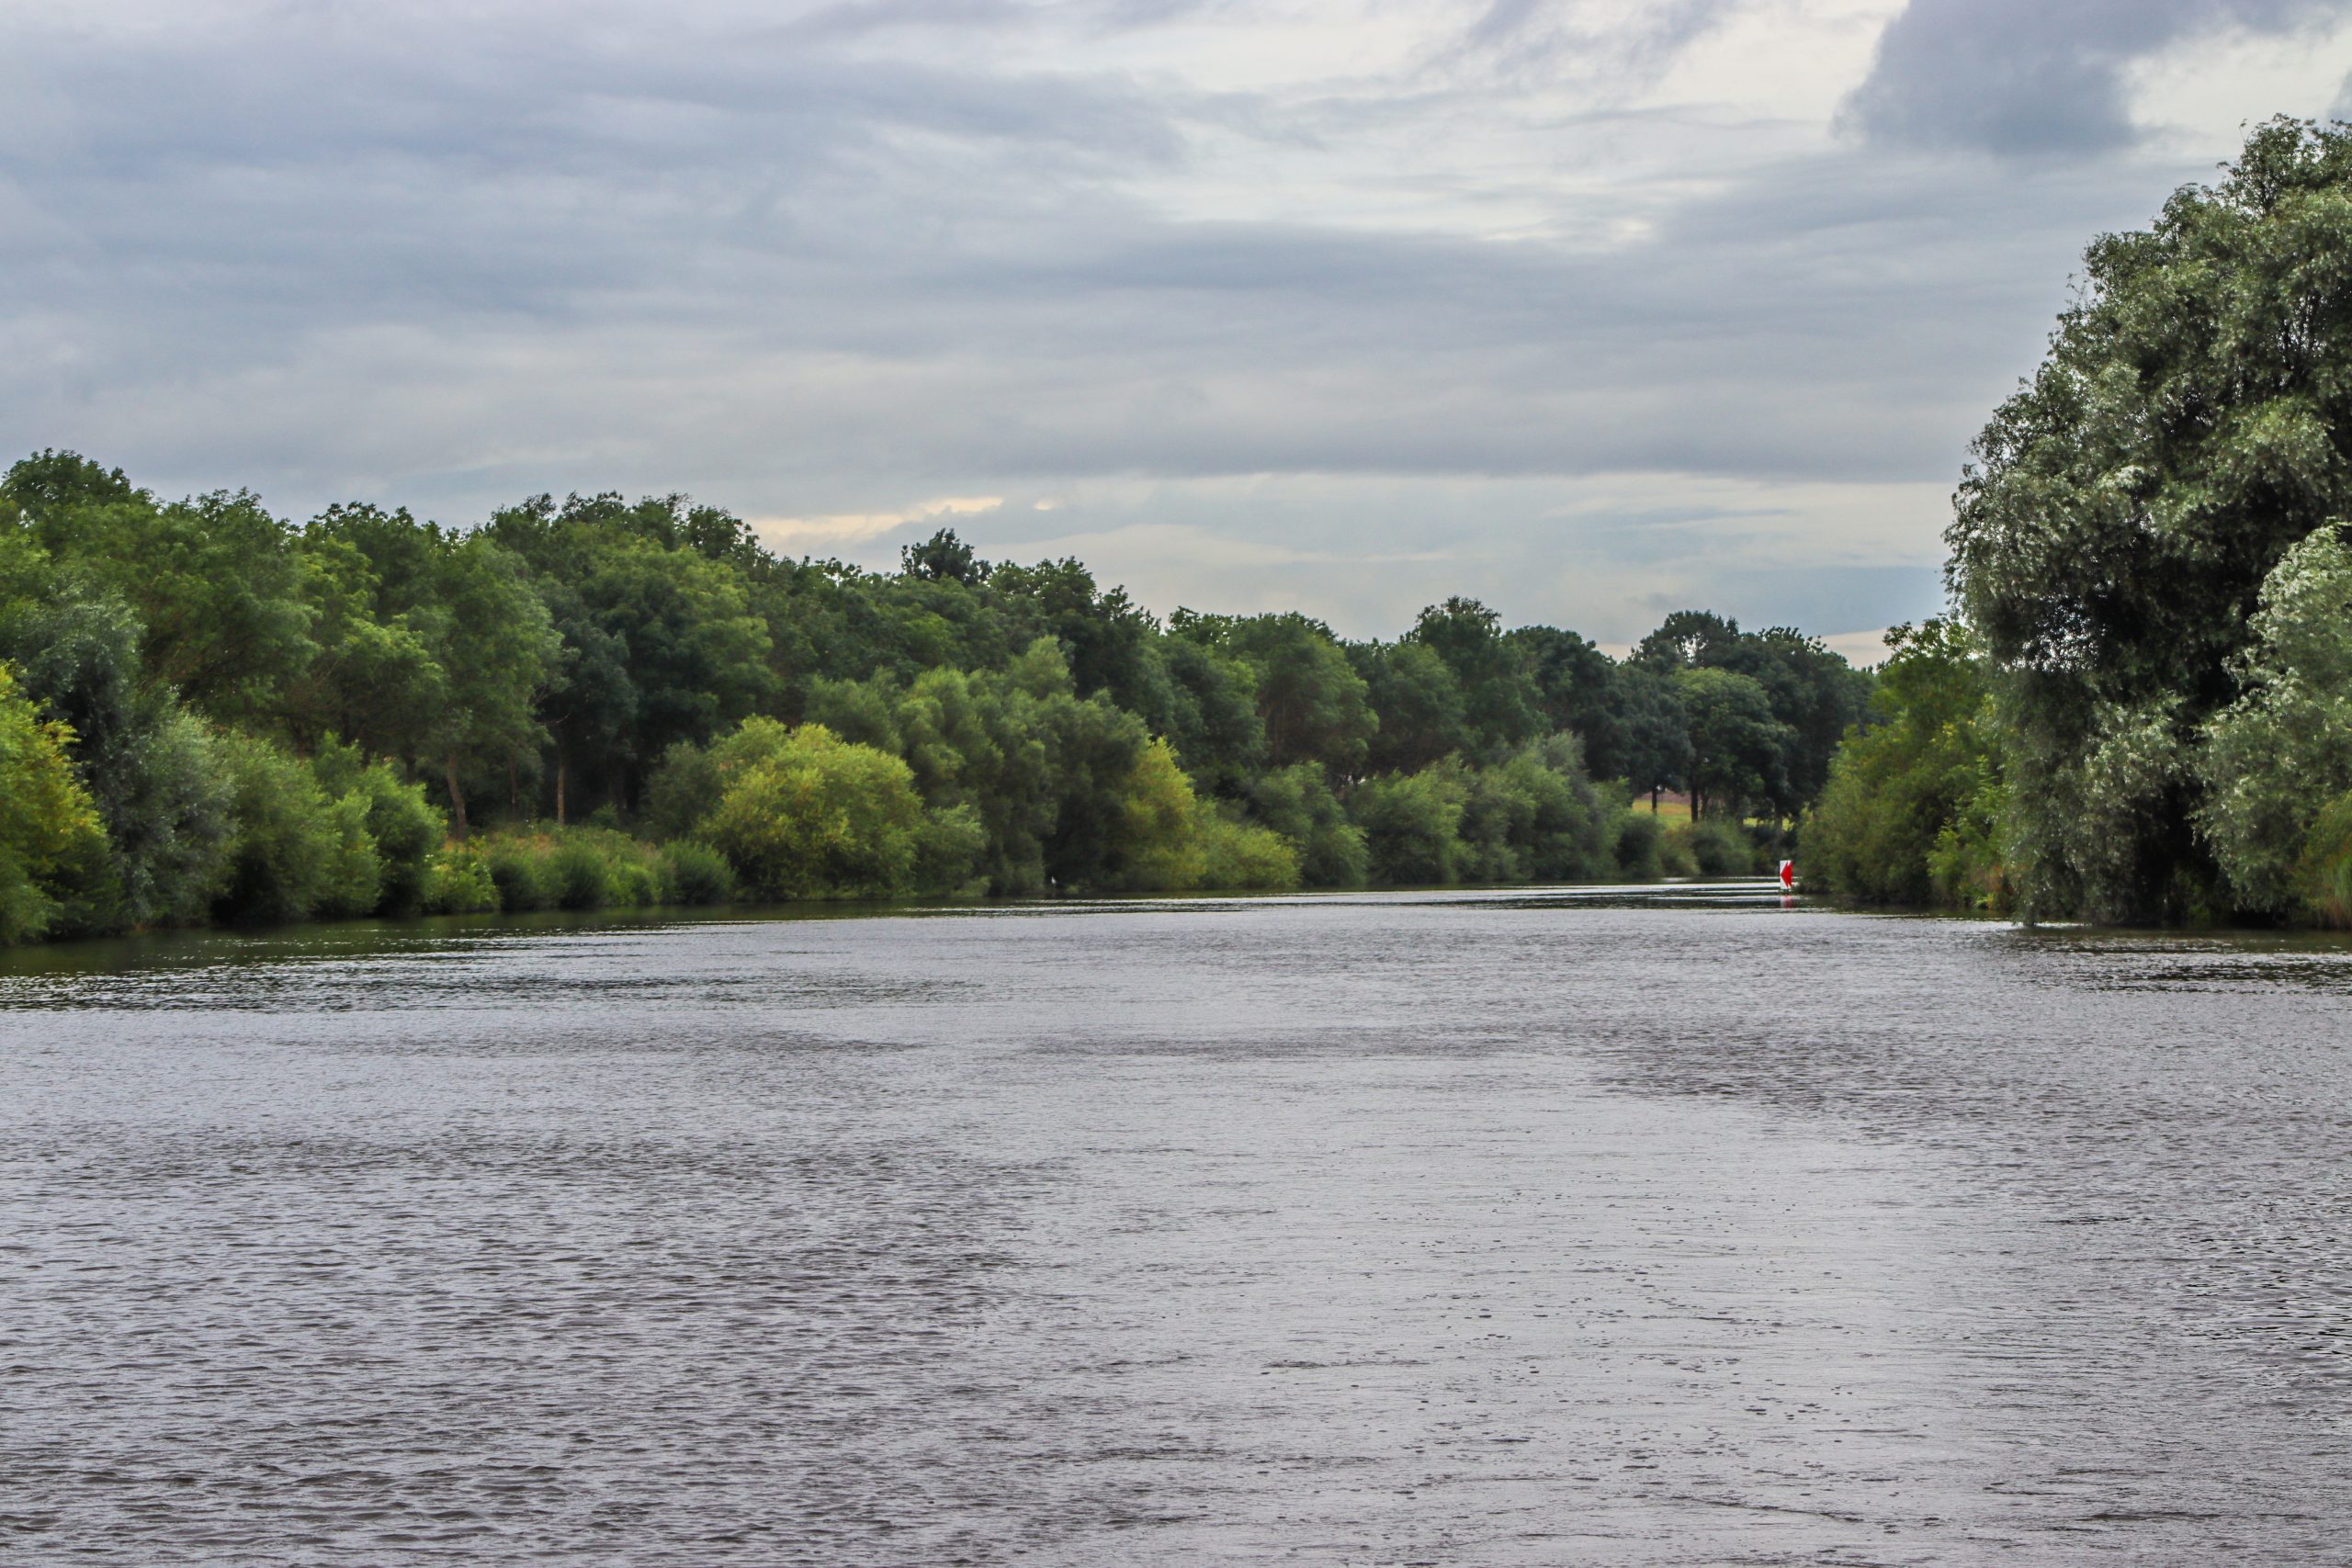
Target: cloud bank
(1591,309)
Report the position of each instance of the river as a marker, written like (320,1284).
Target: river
(1559,1228)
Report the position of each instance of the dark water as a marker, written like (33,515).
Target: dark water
(1377,1230)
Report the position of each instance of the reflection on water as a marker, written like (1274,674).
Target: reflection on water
(1600,1227)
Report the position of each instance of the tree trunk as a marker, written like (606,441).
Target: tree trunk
(513,788)
(559,773)
(456,796)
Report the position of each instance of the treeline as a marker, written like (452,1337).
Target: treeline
(207,713)
(2141,709)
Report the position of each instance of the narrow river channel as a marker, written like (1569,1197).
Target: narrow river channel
(1609,1228)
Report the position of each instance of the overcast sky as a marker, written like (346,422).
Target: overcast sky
(1592,308)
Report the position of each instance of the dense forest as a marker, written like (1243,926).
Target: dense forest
(210,714)
(2140,707)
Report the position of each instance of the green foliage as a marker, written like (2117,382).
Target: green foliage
(519,870)
(259,712)
(457,882)
(293,852)
(820,817)
(684,789)
(2126,508)
(2324,870)
(696,873)
(1716,847)
(1739,749)
(1498,707)
(401,827)
(51,848)
(1419,702)
(579,877)
(2283,750)
(1911,812)
(1411,825)
(1636,845)
(1242,856)
(1297,803)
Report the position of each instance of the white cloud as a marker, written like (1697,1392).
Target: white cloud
(798,536)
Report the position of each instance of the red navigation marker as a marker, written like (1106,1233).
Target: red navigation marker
(1788,873)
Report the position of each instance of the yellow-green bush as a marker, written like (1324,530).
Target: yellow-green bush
(696,873)
(50,844)
(816,817)
(457,882)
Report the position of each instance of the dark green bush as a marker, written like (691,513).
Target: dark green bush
(1639,837)
(697,874)
(519,870)
(579,877)
(289,850)
(1719,848)
(404,827)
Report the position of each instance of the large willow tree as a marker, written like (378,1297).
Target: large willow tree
(2191,423)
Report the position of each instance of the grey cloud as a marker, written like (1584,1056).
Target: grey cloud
(2034,77)
(1579,39)
(447,268)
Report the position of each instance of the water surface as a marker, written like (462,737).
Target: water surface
(1609,1229)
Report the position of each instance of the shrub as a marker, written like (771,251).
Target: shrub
(696,873)
(1636,843)
(1297,803)
(1674,858)
(818,817)
(636,882)
(1902,819)
(949,849)
(1158,830)
(51,848)
(1242,856)
(579,876)
(1410,824)
(519,870)
(686,787)
(405,827)
(355,873)
(2323,871)
(457,882)
(287,843)
(1717,848)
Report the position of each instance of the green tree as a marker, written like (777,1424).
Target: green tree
(2278,754)
(1736,746)
(1652,730)
(1499,704)
(1571,683)
(1412,824)
(499,650)
(1297,803)
(1418,704)
(2126,506)
(1312,706)
(1906,816)
(219,593)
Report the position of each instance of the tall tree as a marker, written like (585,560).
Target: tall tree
(2190,422)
